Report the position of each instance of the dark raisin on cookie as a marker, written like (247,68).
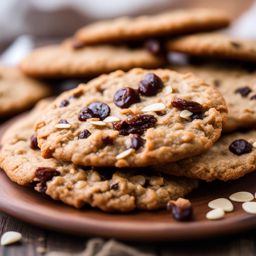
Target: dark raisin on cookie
(64,103)
(150,85)
(154,46)
(216,82)
(33,142)
(243,91)
(181,209)
(136,141)
(84,134)
(107,140)
(84,114)
(63,121)
(195,116)
(125,97)
(44,174)
(235,44)
(253,97)
(192,106)
(240,147)
(100,110)
(136,124)
(114,186)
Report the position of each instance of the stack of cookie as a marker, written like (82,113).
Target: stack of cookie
(120,141)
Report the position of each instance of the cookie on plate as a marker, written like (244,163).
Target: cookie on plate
(134,119)
(238,87)
(18,92)
(215,46)
(109,190)
(164,24)
(72,60)
(230,158)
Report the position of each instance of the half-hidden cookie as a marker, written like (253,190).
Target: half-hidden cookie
(67,61)
(215,46)
(18,92)
(238,87)
(109,190)
(233,156)
(164,24)
(134,119)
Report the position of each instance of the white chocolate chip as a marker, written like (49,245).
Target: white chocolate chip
(97,123)
(215,214)
(125,153)
(254,144)
(249,207)
(154,107)
(62,126)
(111,119)
(185,114)
(221,203)
(241,197)
(10,237)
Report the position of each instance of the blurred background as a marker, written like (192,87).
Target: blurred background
(27,24)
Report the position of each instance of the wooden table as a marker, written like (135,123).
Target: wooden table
(36,240)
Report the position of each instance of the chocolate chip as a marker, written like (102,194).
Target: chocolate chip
(136,124)
(33,142)
(253,97)
(197,116)
(84,134)
(150,85)
(136,141)
(107,140)
(44,174)
(192,106)
(125,97)
(99,110)
(64,103)
(63,121)
(114,186)
(240,147)
(216,82)
(153,46)
(244,91)
(235,44)
(181,209)
(85,114)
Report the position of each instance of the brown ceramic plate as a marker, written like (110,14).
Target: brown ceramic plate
(30,206)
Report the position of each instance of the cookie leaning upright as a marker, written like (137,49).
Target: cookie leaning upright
(18,92)
(215,46)
(138,118)
(170,23)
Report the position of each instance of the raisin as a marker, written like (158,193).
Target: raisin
(99,110)
(33,142)
(136,141)
(136,124)
(181,209)
(150,85)
(44,174)
(197,116)
(125,97)
(107,140)
(192,106)
(85,114)
(114,186)
(63,121)
(244,91)
(64,103)
(154,46)
(84,134)
(217,82)
(235,44)
(240,147)
(253,97)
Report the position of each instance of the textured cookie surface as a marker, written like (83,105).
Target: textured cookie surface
(169,23)
(65,61)
(109,190)
(238,87)
(18,92)
(219,162)
(216,46)
(132,119)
